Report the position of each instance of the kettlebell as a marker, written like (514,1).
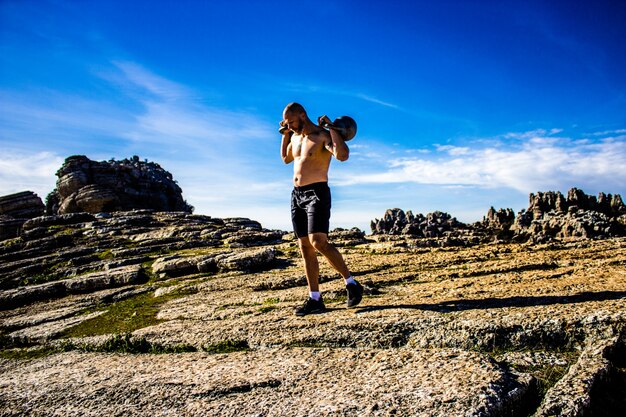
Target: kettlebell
(345,125)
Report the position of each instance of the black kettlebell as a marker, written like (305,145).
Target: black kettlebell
(345,125)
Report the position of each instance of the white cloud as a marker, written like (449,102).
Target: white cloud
(453,150)
(21,171)
(536,163)
(608,132)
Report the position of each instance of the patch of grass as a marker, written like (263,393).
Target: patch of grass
(126,343)
(271,301)
(267,309)
(105,254)
(152,277)
(28,353)
(35,279)
(227,346)
(11,242)
(123,317)
(546,376)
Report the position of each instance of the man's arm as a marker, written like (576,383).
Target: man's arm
(286,152)
(337,146)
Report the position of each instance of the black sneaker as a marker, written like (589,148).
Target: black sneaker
(311,306)
(355,294)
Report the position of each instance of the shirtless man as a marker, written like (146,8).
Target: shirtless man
(311,148)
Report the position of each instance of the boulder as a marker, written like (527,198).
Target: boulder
(15,209)
(249,260)
(89,186)
(24,205)
(499,219)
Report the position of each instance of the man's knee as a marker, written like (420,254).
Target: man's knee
(305,244)
(319,241)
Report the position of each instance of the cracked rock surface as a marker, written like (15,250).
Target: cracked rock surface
(206,324)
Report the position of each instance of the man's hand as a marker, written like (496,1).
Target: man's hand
(324,121)
(283,129)
(285,148)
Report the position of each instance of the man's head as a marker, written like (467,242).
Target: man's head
(295,116)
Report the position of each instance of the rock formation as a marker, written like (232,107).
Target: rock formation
(88,186)
(550,215)
(85,243)
(15,209)
(24,205)
(397,222)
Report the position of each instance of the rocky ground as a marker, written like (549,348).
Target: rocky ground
(143,313)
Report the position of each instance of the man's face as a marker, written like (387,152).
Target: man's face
(293,121)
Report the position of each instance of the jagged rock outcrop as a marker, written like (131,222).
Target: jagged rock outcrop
(397,222)
(501,219)
(550,215)
(15,209)
(93,187)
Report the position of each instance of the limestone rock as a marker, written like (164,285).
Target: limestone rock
(24,205)
(397,222)
(352,237)
(500,219)
(248,260)
(10,227)
(15,209)
(90,186)
(247,238)
(83,284)
(549,215)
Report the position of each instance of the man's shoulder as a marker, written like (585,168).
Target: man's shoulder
(323,134)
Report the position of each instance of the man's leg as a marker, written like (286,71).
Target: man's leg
(311,264)
(355,290)
(314,303)
(320,242)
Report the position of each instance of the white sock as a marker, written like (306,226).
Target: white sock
(315,295)
(350,280)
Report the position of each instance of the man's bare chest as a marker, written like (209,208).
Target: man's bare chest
(306,147)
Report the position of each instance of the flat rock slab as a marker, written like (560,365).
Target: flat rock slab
(266,382)
(79,285)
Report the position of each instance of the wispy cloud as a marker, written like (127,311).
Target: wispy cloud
(159,86)
(217,155)
(375,100)
(532,162)
(333,90)
(21,171)
(173,115)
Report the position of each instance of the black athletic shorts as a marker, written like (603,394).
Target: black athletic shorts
(310,209)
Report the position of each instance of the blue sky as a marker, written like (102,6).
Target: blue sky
(460,105)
